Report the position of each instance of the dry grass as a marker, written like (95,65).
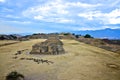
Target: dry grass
(81,62)
(4,42)
(102,44)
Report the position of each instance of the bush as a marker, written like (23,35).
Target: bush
(87,36)
(14,76)
(77,36)
(66,33)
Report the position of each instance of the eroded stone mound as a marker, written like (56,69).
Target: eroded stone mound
(51,46)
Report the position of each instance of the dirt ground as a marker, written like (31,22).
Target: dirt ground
(80,62)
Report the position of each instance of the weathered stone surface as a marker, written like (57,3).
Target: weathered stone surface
(51,46)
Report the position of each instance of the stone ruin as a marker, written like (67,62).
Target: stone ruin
(52,46)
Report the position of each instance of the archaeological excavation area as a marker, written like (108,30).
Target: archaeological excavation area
(54,59)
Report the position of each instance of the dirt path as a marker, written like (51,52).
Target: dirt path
(81,62)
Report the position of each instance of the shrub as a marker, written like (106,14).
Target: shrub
(66,33)
(77,36)
(14,76)
(87,36)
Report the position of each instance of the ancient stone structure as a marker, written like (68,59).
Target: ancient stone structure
(51,46)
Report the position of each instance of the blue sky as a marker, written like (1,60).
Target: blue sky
(20,16)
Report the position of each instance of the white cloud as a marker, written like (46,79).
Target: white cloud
(65,21)
(107,18)
(2,0)
(91,15)
(38,17)
(114,20)
(83,5)
(74,14)
(113,17)
(56,20)
(48,9)
(11,16)
(110,27)
(56,11)
(18,22)
(22,22)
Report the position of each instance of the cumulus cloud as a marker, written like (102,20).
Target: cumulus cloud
(56,11)
(48,12)
(75,14)
(112,17)
(82,5)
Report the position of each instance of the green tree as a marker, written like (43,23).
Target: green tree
(87,36)
(77,36)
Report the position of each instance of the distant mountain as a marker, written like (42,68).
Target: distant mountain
(24,34)
(103,33)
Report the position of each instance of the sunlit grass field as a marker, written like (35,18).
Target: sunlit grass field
(80,62)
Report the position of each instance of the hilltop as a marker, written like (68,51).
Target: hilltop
(105,43)
(80,62)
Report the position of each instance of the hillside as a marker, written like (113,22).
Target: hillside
(111,45)
(80,62)
(9,37)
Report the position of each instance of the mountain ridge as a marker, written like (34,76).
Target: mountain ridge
(103,33)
